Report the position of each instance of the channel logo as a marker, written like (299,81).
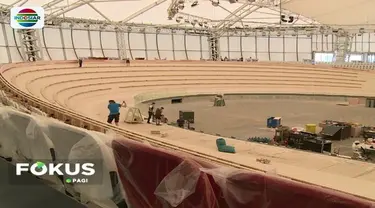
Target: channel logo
(73,173)
(27,17)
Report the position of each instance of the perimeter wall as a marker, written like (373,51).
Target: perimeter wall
(70,43)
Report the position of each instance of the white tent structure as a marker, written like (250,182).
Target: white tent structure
(268,30)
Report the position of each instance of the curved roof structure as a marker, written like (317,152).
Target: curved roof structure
(356,14)
(260,12)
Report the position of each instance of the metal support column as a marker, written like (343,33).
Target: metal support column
(121,45)
(256,46)
(90,43)
(200,46)
(228,45)
(30,44)
(6,42)
(173,47)
(62,43)
(369,43)
(283,47)
(312,48)
(241,51)
(145,41)
(269,46)
(342,47)
(297,50)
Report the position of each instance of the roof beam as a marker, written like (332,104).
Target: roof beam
(99,12)
(225,9)
(232,14)
(278,7)
(51,4)
(68,8)
(173,9)
(12,4)
(23,2)
(194,17)
(238,17)
(143,10)
(275,7)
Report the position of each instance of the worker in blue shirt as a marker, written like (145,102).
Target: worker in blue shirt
(114,111)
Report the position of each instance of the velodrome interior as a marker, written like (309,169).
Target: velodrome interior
(178,63)
(86,90)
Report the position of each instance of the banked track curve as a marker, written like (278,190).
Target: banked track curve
(54,86)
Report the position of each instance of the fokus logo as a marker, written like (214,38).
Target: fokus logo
(73,173)
(27,17)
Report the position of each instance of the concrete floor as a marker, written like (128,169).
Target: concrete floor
(244,118)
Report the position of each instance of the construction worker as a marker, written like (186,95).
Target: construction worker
(158,115)
(150,112)
(181,122)
(114,111)
(80,62)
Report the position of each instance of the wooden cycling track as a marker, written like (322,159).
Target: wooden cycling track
(82,93)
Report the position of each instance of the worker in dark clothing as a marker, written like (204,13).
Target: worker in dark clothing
(181,122)
(158,115)
(80,62)
(150,112)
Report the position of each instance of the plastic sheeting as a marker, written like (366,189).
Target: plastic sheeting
(179,184)
(5,100)
(157,178)
(27,138)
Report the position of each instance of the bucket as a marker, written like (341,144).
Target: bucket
(311,128)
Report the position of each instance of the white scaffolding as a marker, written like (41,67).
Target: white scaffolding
(121,44)
(30,45)
(342,47)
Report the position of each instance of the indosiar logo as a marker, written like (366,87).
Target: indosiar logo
(27,17)
(73,173)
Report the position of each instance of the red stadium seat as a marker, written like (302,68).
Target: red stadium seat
(244,189)
(142,169)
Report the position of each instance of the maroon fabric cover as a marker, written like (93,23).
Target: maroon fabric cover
(262,190)
(142,168)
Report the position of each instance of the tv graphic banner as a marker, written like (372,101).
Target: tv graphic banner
(27,17)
